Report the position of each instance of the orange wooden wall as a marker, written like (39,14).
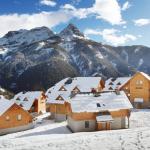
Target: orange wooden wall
(137,91)
(13,112)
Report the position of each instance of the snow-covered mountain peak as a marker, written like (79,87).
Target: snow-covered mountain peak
(51,57)
(26,36)
(71,31)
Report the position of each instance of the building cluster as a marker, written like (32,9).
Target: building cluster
(86,103)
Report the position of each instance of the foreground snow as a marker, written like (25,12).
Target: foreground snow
(51,135)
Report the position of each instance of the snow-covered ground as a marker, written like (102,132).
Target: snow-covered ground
(56,136)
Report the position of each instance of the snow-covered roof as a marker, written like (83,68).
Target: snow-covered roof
(145,75)
(115,83)
(26,99)
(84,84)
(104,118)
(105,102)
(5,105)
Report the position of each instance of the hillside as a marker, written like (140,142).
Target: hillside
(36,59)
(7,94)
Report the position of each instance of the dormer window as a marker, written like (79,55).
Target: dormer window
(111,83)
(76,90)
(18,99)
(21,105)
(59,98)
(62,89)
(110,88)
(118,83)
(25,99)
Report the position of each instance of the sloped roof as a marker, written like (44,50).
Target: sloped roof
(26,99)
(5,105)
(145,75)
(115,85)
(107,101)
(84,84)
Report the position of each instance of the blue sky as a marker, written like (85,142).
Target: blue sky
(115,22)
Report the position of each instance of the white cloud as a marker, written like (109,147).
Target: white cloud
(27,21)
(48,3)
(142,22)
(68,6)
(126,6)
(108,10)
(111,36)
(92,32)
(74,12)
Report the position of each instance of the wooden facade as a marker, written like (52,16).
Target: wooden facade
(15,116)
(138,87)
(57,108)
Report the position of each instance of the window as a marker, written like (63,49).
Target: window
(62,89)
(25,99)
(7,118)
(118,83)
(139,82)
(76,90)
(110,88)
(18,99)
(59,98)
(111,83)
(19,117)
(87,124)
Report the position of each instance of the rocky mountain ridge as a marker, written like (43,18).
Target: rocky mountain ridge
(36,59)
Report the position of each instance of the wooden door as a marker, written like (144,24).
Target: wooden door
(101,126)
(108,126)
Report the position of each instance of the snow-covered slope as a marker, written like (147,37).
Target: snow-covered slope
(5,93)
(56,136)
(71,32)
(52,57)
(25,36)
